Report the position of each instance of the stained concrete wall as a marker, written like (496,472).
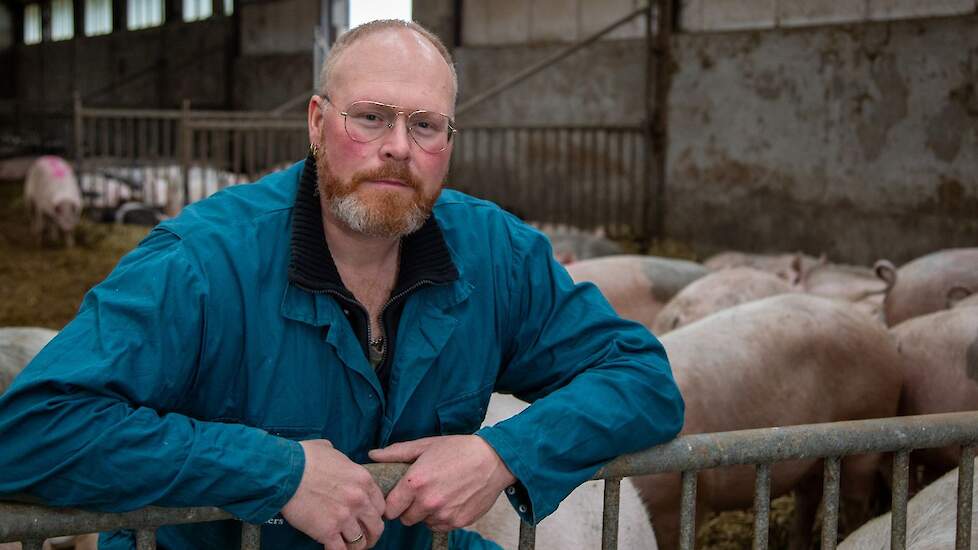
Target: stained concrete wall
(858,141)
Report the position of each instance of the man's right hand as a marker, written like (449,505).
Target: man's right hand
(337,500)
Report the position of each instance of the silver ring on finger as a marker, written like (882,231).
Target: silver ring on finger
(356,540)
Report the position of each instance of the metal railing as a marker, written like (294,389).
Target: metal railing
(586,176)
(688,455)
(171,157)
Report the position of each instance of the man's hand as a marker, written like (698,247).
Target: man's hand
(337,500)
(454,480)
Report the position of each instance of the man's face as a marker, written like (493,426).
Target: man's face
(385,187)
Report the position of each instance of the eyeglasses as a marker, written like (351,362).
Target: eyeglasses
(366,121)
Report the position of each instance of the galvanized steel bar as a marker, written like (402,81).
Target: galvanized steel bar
(610,513)
(25,521)
(32,544)
(439,541)
(145,539)
(687,511)
(528,535)
(762,505)
(882,435)
(830,498)
(966,480)
(898,519)
(250,536)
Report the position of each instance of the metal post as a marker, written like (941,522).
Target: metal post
(528,535)
(79,135)
(830,492)
(185,140)
(609,521)
(687,512)
(762,505)
(145,539)
(966,480)
(898,521)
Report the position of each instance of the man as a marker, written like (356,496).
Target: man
(252,352)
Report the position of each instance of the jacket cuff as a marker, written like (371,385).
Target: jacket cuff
(294,463)
(517,493)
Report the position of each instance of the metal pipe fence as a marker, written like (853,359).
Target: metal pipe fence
(591,177)
(170,158)
(688,455)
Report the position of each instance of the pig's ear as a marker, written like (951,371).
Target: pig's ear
(956,294)
(887,272)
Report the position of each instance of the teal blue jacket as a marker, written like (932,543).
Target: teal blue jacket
(191,372)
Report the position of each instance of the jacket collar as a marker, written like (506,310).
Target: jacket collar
(424,254)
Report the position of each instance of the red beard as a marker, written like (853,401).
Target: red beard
(386,213)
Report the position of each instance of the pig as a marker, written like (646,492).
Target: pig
(18,345)
(921,286)
(931,516)
(861,286)
(716,291)
(939,358)
(571,244)
(779,361)
(53,199)
(637,286)
(577,522)
(787,266)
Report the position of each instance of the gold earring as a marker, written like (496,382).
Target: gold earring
(314,150)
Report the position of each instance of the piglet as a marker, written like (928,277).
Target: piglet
(53,199)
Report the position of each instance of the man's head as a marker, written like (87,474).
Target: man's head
(383,183)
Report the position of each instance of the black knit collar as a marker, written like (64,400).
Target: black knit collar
(424,254)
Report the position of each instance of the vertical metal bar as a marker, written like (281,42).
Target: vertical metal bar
(966,480)
(145,539)
(687,511)
(592,177)
(762,505)
(185,141)
(567,175)
(32,544)
(250,536)
(609,521)
(898,521)
(830,514)
(439,541)
(79,135)
(528,534)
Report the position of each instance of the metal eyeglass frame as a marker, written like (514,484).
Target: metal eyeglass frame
(398,111)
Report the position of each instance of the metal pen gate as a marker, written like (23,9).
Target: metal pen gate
(688,454)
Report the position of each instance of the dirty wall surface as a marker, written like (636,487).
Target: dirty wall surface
(857,141)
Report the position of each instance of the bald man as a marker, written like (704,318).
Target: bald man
(253,352)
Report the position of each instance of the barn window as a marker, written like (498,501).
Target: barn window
(62,20)
(228,7)
(98,17)
(194,10)
(32,24)
(142,14)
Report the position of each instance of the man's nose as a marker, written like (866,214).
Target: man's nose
(397,142)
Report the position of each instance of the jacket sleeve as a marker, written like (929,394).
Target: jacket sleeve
(600,386)
(90,422)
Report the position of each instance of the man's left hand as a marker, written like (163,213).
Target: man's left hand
(454,480)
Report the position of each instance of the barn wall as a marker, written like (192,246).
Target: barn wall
(858,140)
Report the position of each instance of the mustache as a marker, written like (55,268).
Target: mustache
(391,171)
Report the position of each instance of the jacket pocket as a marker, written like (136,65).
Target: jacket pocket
(463,414)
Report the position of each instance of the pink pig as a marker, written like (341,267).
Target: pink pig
(53,199)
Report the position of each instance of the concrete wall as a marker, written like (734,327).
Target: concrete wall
(861,142)
(719,15)
(508,22)
(602,84)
